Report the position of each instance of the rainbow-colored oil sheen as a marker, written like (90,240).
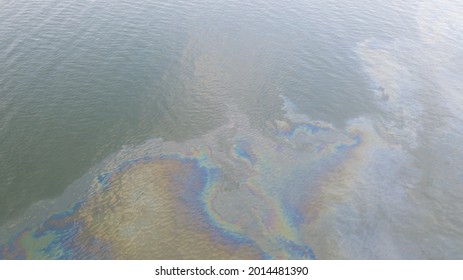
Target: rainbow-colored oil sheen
(251,196)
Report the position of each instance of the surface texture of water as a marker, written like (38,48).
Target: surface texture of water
(231,129)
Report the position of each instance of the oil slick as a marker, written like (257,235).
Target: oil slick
(206,200)
(248,195)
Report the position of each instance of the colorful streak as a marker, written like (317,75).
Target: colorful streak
(198,200)
(144,210)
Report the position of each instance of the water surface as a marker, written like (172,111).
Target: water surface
(217,129)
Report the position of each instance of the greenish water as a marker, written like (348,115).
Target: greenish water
(82,80)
